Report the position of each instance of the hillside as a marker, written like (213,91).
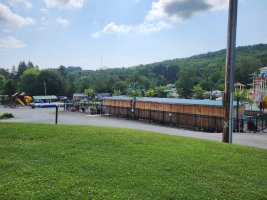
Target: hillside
(210,66)
(248,60)
(205,70)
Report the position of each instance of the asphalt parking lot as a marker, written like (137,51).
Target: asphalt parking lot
(47,116)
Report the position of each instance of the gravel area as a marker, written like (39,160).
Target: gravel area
(47,116)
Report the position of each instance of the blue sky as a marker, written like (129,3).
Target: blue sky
(124,33)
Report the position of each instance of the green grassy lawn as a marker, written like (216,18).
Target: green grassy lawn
(85,162)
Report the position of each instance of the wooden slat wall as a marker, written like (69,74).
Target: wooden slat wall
(182,108)
(118,103)
(199,116)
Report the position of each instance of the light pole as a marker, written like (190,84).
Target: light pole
(45,88)
(229,73)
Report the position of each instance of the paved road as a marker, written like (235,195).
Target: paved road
(47,116)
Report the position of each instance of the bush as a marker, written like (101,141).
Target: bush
(6,116)
(92,110)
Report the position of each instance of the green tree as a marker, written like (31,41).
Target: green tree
(30,65)
(13,73)
(53,81)
(139,80)
(84,83)
(207,84)
(110,82)
(244,67)
(10,87)
(240,95)
(160,91)
(117,92)
(62,70)
(187,79)
(5,73)
(144,82)
(2,83)
(71,86)
(198,91)
(134,90)
(21,68)
(150,93)
(90,92)
(27,81)
(120,85)
(135,93)
(161,80)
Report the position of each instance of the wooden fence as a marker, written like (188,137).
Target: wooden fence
(197,117)
(185,120)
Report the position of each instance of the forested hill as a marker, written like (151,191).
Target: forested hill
(205,70)
(208,69)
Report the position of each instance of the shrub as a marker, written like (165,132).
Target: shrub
(6,116)
(92,110)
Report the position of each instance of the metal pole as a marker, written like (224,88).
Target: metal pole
(45,88)
(229,72)
(56,114)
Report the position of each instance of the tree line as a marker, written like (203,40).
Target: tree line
(191,76)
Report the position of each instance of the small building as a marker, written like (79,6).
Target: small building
(45,99)
(191,113)
(238,85)
(79,96)
(62,98)
(100,96)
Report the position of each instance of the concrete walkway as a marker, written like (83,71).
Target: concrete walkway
(47,116)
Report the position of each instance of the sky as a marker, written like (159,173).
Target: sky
(120,33)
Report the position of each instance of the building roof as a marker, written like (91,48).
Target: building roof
(47,97)
(237,84)
(206,102)
(80,95)
(264,68)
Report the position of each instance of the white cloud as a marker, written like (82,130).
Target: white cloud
(10,42)
(44,10)
(6,30)
(62,22)
(7,16)
(26,3)
(147,27)
(112,28)
(178,10)
(218,4)
(163,14)
(65,3)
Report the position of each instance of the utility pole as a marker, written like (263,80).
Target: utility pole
(229,73)
(45,88)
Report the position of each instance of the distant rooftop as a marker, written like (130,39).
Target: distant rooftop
(47,97)
(170,100)
(80,95)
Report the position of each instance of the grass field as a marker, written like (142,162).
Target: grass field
(84,162)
